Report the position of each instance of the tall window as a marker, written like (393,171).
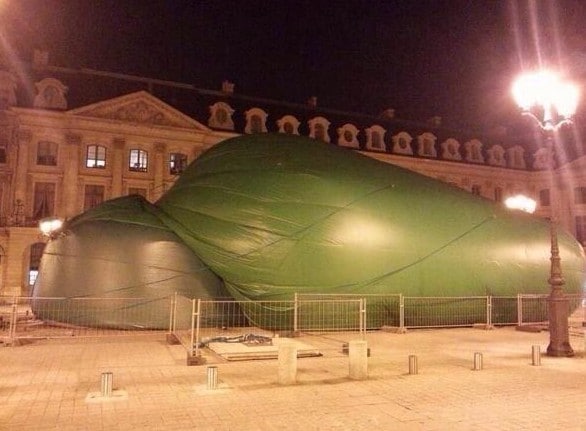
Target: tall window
(35,262)
(544,200)
(581,229)
(44,200)
(47,153)
(138,161)
(2,153)
(96,156)
(580,195)
(498,194)
(177,163)
(476,190)
(94,196)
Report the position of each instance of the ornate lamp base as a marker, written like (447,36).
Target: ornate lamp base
(559,341)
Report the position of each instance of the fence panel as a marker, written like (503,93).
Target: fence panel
(533,309)
(381,309)
(86,317)
(331,315)
(504,310)
(182,324)
(428,312)
(230,321)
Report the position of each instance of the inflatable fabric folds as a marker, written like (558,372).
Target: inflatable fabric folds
(119,250)
(272,215)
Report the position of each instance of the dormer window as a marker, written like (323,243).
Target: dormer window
(426,145)
(255,121)
(402,143)
(47,153)
(221,116)
(138,161)
(496,156)
(516,157)
(347,136)
(50,94)
(318,129)
(473,151)
(375,138)
(288,124)
(451,149)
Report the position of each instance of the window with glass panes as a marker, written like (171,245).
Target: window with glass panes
(138,160)
(96,156)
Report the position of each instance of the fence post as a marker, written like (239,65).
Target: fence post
(173,310)
(401,312)
(363,318)
(488,312)
(13,321)
(197,317)
(519,310)
(295,313)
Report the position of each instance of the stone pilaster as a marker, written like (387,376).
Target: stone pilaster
(119,145)
(73,145)
(159,170)
(24,142)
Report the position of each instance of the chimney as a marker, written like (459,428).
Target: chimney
(312,102)
(387,114)
(435,121)
(228,87)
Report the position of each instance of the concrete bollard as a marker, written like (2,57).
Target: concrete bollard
(477,361)
(535,355)
(413,369)
(106,384)
(212,382)
(287,362)
(358,359)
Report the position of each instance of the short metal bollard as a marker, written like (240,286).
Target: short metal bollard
(106,384)
(535,355)
(477,361)
(413,364)
(212,377)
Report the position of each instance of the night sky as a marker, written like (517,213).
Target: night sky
(452,58)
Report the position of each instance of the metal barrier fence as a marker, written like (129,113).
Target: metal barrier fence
(533,309)
(396,310)
(380,310)
(36,317)
(195,322)
(252,321)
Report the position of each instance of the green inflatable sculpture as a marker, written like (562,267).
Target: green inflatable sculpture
(273,215)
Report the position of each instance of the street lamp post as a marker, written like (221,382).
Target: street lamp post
(556,101)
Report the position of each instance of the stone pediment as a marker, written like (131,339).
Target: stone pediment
(139,108)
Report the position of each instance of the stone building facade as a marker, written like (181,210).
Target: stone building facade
(66,147)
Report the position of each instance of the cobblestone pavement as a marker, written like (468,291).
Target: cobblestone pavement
(47,385)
